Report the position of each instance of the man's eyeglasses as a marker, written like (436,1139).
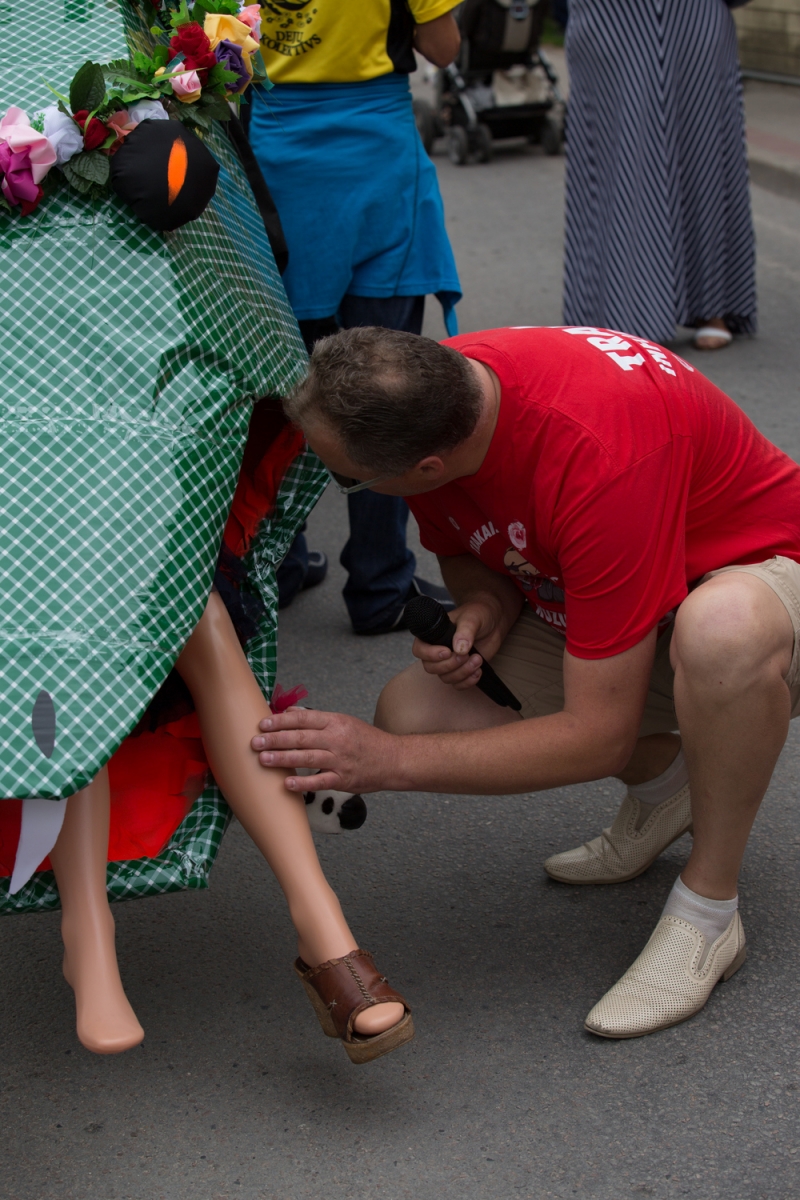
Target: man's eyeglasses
(349,486)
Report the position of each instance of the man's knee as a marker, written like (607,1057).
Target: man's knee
(416,702)
(396,710)
(730,631)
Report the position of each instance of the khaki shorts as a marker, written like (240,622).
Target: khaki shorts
(531,659)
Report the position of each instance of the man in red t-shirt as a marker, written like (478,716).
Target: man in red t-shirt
(624,546)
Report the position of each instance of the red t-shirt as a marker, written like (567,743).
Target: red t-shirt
(617,476)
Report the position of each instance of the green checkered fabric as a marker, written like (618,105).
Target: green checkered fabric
(130,361)
(186,860)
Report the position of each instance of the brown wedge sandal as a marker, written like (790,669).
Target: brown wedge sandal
(344,987)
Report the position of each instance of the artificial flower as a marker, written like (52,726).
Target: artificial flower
(62,134)
(94,131)
(220,27)
(231,57)
(250,16)
(187,87)
(18,186)
(17,134)
(147,110)
(193,44)
(120,124)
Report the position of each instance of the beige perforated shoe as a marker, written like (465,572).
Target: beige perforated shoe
(623,851)
(670,981)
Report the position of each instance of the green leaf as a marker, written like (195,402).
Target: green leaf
(229,7)
(75,180)
(64,102)
(214,107)
(133,94)
(195,116)
(219,76)
(161,55)
(88,88)
(91,166)
(181,17)
(125,71)
(144,64)
(259,70)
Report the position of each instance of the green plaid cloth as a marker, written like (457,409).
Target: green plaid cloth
(130,362)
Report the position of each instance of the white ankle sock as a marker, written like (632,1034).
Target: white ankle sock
(657,790)
(711,917)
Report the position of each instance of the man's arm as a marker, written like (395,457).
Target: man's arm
(592,738)
(438,40)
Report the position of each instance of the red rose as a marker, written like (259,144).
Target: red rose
(191,41)
(94,134)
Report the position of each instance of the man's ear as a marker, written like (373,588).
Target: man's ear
(430,469)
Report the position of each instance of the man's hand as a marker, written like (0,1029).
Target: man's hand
(478,624)
(490,604)
(351,755)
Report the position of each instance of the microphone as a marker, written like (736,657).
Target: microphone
(429,622)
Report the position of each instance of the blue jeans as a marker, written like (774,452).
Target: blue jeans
(380,566)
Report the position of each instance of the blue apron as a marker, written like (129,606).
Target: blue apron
(357,195)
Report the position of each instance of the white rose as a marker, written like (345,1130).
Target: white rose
(62,133)
(147,110)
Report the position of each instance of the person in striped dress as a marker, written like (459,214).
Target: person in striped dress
(658,224)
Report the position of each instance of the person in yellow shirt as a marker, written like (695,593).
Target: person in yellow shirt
(363,218)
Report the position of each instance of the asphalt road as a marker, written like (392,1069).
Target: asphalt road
(235,1092)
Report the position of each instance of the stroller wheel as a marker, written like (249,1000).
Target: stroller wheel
(457,145)
(483,144)
(551,136)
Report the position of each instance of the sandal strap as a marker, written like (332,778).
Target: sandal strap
(709,331)
(347,986)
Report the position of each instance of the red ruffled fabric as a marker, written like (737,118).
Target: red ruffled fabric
(258,486)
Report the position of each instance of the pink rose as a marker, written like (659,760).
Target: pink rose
(251,16)
(187,87)
(18,186)
(17,134)
(120,125)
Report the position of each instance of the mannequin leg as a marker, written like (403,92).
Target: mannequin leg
(106,1022)
(230,705)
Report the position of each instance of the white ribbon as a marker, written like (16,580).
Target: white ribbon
(41,825)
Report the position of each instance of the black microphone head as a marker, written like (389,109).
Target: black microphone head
(428,621)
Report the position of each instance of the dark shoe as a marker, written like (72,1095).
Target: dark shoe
(396,621)
(344,987)
(301,569)
(317,569)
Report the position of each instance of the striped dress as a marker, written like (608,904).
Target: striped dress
(658,224)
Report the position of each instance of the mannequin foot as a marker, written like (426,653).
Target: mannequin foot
(378,1019)
(374,1020)
(106,1023)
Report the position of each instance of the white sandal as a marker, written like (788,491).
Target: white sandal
(724,336)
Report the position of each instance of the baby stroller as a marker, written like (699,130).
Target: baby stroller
(500,86)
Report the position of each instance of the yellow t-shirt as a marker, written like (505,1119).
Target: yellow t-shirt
(341,41)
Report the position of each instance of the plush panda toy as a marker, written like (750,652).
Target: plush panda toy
(333,812)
